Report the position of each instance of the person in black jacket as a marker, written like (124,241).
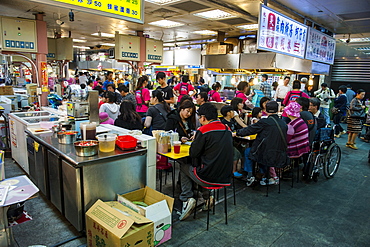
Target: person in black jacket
(269,148)
(182,120)
(340,102)
(128,118)
(212,150)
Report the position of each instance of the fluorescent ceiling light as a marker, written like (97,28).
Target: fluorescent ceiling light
(107,35)
(216,14)
(79,40)
(162,2)
(81,47)
(169,44)
(205,32)
(248,27)
(108,44)
(363,48)
(353,40)
(166,23)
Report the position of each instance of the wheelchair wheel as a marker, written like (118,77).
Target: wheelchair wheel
(332,160)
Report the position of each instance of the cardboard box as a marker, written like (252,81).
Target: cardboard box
(112,224)
(159,210)
(217,48)
(6,90)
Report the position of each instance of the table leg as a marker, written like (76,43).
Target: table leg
(173,178)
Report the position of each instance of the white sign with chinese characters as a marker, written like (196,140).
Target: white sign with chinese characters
(281,34)
(320,47)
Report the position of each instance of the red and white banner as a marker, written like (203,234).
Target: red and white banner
(281,34)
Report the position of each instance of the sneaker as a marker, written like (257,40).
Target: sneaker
(337,136)
(277,180)
(348,145)
(238,175)
(264,181)
(343,132)
(250,181)
(210,202)
(187,208)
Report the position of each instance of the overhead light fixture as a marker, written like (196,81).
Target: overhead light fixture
(249,27)
(106,35)
(168,44)
(79,40)
(81,47)
(108,44)
(363,48)
(166,23)
(216,14)
(205,32)
(162,2)
(71,16)
(356,40)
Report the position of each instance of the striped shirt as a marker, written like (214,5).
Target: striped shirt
(297,137)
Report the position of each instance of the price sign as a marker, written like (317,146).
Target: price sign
(320,47)
(281,34)
(130,10)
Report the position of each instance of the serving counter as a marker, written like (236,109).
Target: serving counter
(73,183)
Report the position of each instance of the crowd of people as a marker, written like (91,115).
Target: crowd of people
(284,117)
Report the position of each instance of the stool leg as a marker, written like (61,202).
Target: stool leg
(160,180)
(196,200)
(279,175)
(234,191)
(225,205)
(209,203)
(214,202)
(293,162)
(173,179)
(165,177)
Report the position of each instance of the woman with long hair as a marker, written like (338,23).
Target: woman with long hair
(129,118)
(182,120)
(237,105)
(142,95)
(213,95)
(354,122)
(156,116)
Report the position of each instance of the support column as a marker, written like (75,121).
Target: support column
(41,61)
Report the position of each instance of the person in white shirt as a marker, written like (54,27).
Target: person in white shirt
(325,94)
(83,78)
(282,90)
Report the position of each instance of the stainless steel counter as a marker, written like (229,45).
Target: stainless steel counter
(73,183)
(67,151)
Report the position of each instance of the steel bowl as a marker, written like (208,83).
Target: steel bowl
(67,137)
(90,150)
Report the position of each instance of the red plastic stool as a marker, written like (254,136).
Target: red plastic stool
(162,164)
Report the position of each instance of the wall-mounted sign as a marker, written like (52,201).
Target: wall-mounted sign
(320,47)
(281,34)
(127,47)
(154,51)
(194,67)
(18,35)
(130,10)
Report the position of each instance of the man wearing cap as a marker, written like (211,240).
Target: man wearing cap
(270,147)
(212,152)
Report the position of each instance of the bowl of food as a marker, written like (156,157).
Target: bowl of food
(67,137)
(86,148)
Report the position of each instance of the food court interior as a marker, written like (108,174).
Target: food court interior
(45,43)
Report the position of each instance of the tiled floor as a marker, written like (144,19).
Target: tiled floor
(332,212)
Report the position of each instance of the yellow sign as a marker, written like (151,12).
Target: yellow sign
(130,10)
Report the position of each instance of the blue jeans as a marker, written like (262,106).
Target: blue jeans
(325,112)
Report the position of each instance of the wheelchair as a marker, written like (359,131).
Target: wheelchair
(325,155)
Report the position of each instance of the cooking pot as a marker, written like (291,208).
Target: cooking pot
(86,148)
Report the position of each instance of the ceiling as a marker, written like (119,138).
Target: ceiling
(342,17)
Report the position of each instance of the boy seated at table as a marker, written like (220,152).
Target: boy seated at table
(228,114)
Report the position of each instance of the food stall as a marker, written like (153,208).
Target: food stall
(73,183)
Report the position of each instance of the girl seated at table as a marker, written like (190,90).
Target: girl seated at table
(129,118)
(182,120)
(156,116)
(256,114)
(263,103)
(237,105)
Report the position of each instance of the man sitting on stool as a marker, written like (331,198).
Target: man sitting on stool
(212,153)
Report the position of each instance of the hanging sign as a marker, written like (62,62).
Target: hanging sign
(130,10)
(281,34)
(320,47)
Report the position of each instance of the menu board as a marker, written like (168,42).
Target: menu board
(281,34)
(320,47)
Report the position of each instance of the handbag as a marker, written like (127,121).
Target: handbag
(334,110)
(357,114)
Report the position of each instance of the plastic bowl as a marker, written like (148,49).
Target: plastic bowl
(107,142)
(46,125)
(126,142)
